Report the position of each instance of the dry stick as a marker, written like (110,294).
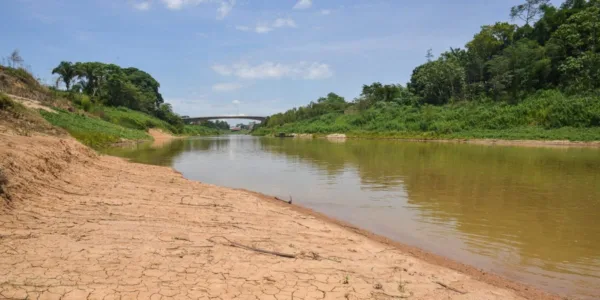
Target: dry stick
(450,288)
(288,202)
(234,244)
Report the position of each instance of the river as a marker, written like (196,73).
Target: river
(529,214)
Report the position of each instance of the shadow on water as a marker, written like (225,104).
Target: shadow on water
(528,213)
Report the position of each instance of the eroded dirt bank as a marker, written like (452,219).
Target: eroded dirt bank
(83,226)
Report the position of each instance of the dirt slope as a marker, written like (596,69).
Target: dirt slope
(83,226)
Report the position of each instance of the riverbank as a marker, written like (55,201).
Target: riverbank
(80,225)
(488,141)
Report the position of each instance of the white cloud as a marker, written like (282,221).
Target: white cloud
(271,70)
(222,70)
(144,5)
(226,87)
(318,71)
(287,22)
(303,4)
(264,27)
(178,4)
(225,6)
(236,102)
(325,12)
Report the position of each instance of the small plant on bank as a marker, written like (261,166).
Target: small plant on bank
(5,102)
(346,280)
(3,183)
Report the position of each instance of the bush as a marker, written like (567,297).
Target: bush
(5,102)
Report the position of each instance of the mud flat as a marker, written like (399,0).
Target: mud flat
(78,225)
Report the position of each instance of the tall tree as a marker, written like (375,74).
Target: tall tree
(66,72)
(521,68)
(439,81)
(529,11)
(490,41)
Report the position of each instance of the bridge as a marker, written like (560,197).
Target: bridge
(201,119)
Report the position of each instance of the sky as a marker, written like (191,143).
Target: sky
(245,57)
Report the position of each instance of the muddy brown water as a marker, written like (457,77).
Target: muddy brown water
(529,214)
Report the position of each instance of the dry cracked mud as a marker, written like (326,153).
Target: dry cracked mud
(84,226)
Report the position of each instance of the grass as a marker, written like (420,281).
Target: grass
(544,116)
(3,183)
(92,131)
(197,130)
(130,118)
(115,125)
(6,103)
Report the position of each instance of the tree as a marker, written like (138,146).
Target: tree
(15,60)
(528,11)
(88,74)
(575,50)
(66,72)
(521,68)
(429,55)
(439,81)
(490,41)
(146,84)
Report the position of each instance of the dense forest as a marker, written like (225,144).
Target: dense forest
(541,75)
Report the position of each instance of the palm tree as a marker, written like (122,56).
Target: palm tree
(66,73)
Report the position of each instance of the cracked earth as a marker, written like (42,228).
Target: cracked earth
(83,226)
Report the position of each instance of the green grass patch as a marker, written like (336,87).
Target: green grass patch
(92,131)
(131,119)
(198,130)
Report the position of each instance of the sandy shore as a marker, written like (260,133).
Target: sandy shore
(491,142)
(83,226)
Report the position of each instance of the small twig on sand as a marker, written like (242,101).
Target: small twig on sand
(234,244)
(389,295)
(450,288)
(288,202)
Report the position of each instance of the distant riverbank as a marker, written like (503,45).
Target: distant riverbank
(418,138)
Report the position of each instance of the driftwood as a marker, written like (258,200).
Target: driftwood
(288,202)
(450,288)
(234,244)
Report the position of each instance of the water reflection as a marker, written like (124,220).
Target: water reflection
(528,213)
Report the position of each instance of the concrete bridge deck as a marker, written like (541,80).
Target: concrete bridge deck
(200,119)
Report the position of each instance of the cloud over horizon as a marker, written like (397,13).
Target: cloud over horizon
(271,70)
(225,6)
(303,4)
(264,27)
(226,87)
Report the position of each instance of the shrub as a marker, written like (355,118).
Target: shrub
(5,102)
(3,184)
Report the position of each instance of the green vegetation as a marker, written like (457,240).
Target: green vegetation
(199,130)
(5,102)
(93,131)
(98,83)
(114,103)
(540,80)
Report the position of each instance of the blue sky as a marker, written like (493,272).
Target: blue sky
(252,57)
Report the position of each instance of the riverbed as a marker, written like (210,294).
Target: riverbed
(529,214)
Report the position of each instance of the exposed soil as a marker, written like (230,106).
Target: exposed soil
(32,104)
(84,226)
